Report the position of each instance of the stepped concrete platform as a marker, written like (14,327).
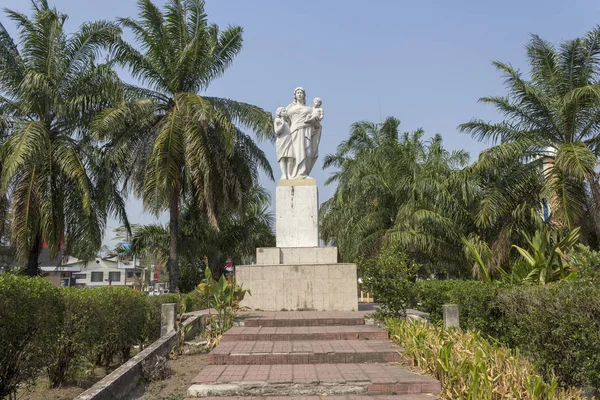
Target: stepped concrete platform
(309,355)
(301,318)
(305,352)
(311,379)
(344,332)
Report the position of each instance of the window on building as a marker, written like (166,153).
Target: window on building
(130,274)
(97,276)
(114,276)
(79,276)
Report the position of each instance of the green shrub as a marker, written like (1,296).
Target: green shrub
(558,328)
(476,302)
(31,314)
(388,277)
(195,301)
(122,319)
(73,351)
(152,325)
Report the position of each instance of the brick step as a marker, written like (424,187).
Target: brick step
(305,352)
(351,397)
(301,318)
(310,380)
(341,332)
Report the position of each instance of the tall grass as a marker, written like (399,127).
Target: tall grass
(470,367)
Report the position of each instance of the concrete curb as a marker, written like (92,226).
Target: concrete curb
(125,378)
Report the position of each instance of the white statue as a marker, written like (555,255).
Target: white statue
(298,129)
(283,144)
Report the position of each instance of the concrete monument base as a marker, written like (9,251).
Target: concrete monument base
(297,213)
(322,287)
(296,255)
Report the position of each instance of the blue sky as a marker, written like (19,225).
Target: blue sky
(424,62)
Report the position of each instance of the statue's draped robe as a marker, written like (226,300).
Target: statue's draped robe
(283,143)
(301,138)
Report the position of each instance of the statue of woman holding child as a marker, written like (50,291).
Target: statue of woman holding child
(298,130)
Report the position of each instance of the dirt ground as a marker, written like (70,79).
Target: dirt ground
(184,368)
(69,391)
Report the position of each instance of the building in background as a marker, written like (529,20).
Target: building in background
(103,271)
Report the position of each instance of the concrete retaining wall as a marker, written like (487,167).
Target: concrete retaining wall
(123,380)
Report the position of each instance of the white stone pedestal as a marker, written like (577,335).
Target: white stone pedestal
(297,274)
(319,287)
(297,213)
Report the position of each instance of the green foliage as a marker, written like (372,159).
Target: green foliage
(475,300)
(558,327)
(471,367)
(191,147)
(586,262)
(546,261)
(388,277)
(225,297)
(397,189)
(62,187)
(73,352)
(546,148)
(122,320)
(241,231)
(152,325)
(192,301)
(31,315)
(195,301)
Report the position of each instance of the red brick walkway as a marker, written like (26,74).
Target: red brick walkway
(306,355)
(342,332)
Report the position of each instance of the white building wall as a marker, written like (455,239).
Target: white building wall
(106,267)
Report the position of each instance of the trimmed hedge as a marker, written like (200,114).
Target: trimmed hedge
(476,302)
(65,332)
(31,314)
(556,326)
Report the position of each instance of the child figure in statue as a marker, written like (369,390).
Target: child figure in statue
(283,144)
(315,118)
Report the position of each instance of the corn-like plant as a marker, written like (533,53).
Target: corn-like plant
(224,296)
(471,367)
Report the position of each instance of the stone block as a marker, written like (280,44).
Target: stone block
(268,255)
(297,213)
(296,255)
(299,287)
(168,313)
(450,312)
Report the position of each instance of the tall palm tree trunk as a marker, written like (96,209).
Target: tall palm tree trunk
(34,254)
(173,263)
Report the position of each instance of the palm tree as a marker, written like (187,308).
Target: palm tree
(239,235)
(174,141)
(550,132)
(50,88)
(395,190)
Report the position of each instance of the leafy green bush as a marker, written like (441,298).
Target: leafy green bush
(195,301)
(31,314)
(74,349)
(558,328)
(388,277)
(152,325)
(476,302)
(122,320)
(471,367)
